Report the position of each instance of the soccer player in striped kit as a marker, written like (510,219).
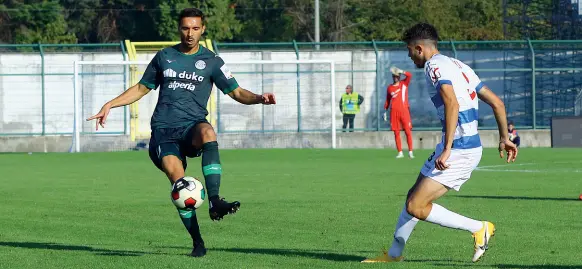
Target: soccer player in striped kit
(454,88)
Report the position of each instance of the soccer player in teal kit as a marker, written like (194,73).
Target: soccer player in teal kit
(185,74)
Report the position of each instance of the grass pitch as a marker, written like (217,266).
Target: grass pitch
(300,209)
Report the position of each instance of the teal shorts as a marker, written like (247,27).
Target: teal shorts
(173,141)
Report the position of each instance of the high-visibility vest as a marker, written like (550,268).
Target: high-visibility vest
(350,103)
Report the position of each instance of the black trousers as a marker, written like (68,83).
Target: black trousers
(348,120)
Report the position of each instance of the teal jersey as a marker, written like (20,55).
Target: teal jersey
(185,83)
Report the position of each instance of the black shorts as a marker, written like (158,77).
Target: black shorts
(173,141)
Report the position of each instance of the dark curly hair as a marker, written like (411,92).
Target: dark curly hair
(191,12)
(420,31)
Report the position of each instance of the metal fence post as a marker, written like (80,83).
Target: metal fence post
(217,51)
(42,82)
(454,49)
(262,92)
(377,87)
(352,68)
(533,83)
(123,52)
(298,87)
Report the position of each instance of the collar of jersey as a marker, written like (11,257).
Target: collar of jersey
(200,48)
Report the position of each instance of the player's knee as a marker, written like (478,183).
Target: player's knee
(207,134)
(416,209)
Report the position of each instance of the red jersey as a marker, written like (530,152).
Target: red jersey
(398,95)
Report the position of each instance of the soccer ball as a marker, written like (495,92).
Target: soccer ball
(188,193)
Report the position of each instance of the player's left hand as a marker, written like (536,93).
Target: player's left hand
(440,162)
(268,99)
(511,149)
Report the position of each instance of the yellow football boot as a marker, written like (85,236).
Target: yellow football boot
(482,238)
(384,258)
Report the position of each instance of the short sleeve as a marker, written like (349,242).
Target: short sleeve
(222,77)
(437,73)
(151,76)
(471,77)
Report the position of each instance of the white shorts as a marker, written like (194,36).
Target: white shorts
(461,163)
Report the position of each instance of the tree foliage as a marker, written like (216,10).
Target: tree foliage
(42,22)
(101,21)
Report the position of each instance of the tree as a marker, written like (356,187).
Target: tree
(42,22)
(335,23)
(221,23)
(459,20)
(264,21)
(81,16)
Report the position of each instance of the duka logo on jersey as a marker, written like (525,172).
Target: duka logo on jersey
(169,73)
(191,76)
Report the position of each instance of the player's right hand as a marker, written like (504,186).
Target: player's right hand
(510,148)
(440,162)
(101,116)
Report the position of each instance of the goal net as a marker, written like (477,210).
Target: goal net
(305,115)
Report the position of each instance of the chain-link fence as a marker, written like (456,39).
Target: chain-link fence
(536,80)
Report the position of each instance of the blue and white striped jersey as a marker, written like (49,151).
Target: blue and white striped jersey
(440,70)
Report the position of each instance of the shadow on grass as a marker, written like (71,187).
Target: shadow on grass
(495,197)
(314,254)
(55,246)
(519,266)
(448,262)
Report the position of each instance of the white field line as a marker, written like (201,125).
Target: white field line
(531,171)
(489,168)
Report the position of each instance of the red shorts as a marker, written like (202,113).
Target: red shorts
(400,120)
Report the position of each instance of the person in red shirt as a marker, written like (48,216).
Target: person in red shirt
(397,95)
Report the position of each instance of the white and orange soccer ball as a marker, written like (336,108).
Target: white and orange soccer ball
(188,193)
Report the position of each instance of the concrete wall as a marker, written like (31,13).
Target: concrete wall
(422,140)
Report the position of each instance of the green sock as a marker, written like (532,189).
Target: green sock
(211,168)
(191,223)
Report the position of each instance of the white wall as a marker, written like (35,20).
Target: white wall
(21,91)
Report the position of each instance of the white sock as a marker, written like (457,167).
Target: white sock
(404,228)
(446,218)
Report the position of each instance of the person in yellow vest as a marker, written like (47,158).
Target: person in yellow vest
(350,106)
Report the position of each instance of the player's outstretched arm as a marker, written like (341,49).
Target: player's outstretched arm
(248,98)
(487,96)
(132,94)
